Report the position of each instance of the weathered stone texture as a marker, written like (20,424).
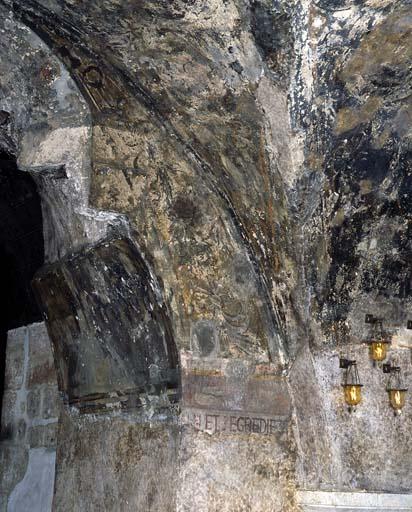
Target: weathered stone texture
(318,501)
(116,463)
(14,373)
(256,156)
(363,153)
(40,359)
(35,491)
(117,340)
(49,132)
(236,472)
(368,449)
(234,385)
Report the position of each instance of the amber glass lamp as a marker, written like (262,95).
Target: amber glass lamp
(353,395)
(397,398)
(395,388)
(352,386)
(379,349)
(379,341)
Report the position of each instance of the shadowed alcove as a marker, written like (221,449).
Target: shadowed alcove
(21,249)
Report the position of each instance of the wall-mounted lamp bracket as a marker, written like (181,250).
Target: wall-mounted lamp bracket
(369,319)
(388,368)
(345,363)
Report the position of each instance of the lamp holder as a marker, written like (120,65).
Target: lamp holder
(388,368)
(346,363)
(378,333)
(395,381)
(351,375)
(371,319)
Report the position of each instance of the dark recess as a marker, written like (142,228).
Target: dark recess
(21,251)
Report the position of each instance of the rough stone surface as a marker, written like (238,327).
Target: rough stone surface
(41,364)
(368,449)
(228,472)
(49,131)
(15,359)
(102,459)
(256,155)
(119,339)
(116,463)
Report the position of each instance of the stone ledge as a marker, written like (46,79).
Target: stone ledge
(322,501)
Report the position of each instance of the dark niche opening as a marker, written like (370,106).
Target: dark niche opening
(21,251)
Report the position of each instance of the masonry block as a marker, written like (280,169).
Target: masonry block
(50,401)
(8,413)
(34,403)
(14,374)
(41,364)
(42,436)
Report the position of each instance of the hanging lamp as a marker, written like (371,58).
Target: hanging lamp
(395,387)
(379,340)
(352,386)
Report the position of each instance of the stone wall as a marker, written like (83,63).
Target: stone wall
(255,158)
(211,454)
(29,422)
(368,449)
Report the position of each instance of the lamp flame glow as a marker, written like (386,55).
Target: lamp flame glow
(351,385)
(379,342)
(396,389)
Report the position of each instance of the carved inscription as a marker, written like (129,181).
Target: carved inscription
(217,422)
(234,397)
(257,393)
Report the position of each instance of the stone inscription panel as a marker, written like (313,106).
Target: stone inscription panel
(216,422)
(233,397)
(257,392)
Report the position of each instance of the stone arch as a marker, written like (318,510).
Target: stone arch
(50,131)
(163,177)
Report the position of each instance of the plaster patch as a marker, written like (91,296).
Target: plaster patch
(35,491)
(280,139)
(63,145)
(313,501)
